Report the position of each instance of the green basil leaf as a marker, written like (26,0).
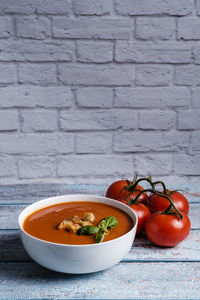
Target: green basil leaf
(100,236)
(103,225)
(111,222)
(87,230)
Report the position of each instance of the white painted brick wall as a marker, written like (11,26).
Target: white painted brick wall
(152,7)
(32,27)
(40,74)
(154,97)
(156,120)
(101,119)
(94,90)
(97,51)
(8,73)
(39,120)
(88,165)
(155,28)
(153,75)
(36,167)
(9,120)
(35,96)
(101,142)
(104,75)
(95,97)
(90,28)
(151,141)
(5,27)
(187,75)
(91,7)
(189,28)
(195,138)
(148,52)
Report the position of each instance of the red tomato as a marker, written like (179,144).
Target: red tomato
(156,203)
(167,230)
(142,213)
(115,191)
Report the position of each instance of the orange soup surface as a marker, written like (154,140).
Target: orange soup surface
(43,223)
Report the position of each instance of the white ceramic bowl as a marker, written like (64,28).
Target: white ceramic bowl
(77,259)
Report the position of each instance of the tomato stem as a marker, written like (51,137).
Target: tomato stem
(131,187)
(163,185)
(164,194)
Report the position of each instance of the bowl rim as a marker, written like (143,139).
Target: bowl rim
(78,195)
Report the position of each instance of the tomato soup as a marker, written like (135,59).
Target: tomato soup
(43,224)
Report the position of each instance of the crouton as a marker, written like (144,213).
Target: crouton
(84,223)
(75,223)
(69,225)
(89,217)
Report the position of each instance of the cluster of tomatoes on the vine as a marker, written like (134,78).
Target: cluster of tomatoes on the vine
(162,214)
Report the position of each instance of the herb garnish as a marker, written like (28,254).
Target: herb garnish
(87,230)
(106,223)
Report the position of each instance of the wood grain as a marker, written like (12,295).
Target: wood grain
(29,193)
(9,215)
(11,249)
(123,281)
(147,272)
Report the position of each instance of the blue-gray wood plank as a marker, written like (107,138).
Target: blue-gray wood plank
(124,280)
(148,272)
(29,193)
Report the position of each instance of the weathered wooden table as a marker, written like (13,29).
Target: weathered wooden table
(148,272)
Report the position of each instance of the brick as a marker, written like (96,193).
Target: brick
(38,120)
(8,73)
(187,75)
(5,27)
(8,167)
(95,97)
(187,165)
(42,74)
(101,119)
(93,142)
(99,52)
(196,98)
(36,167)
(33,27)
(17,6)
(150,141)
(33,143)
(195,139)
(53,7)
(94,165)
(189,28)
(189,119)
(32,96)
(156,120)
(8,120)
(155,28)
(95,74)
(156,164)
(92,7)
(151,7)
(152,97)
(169,52)
(37,50)
(88,28)
(153,75)
(196,54)
(198,7)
